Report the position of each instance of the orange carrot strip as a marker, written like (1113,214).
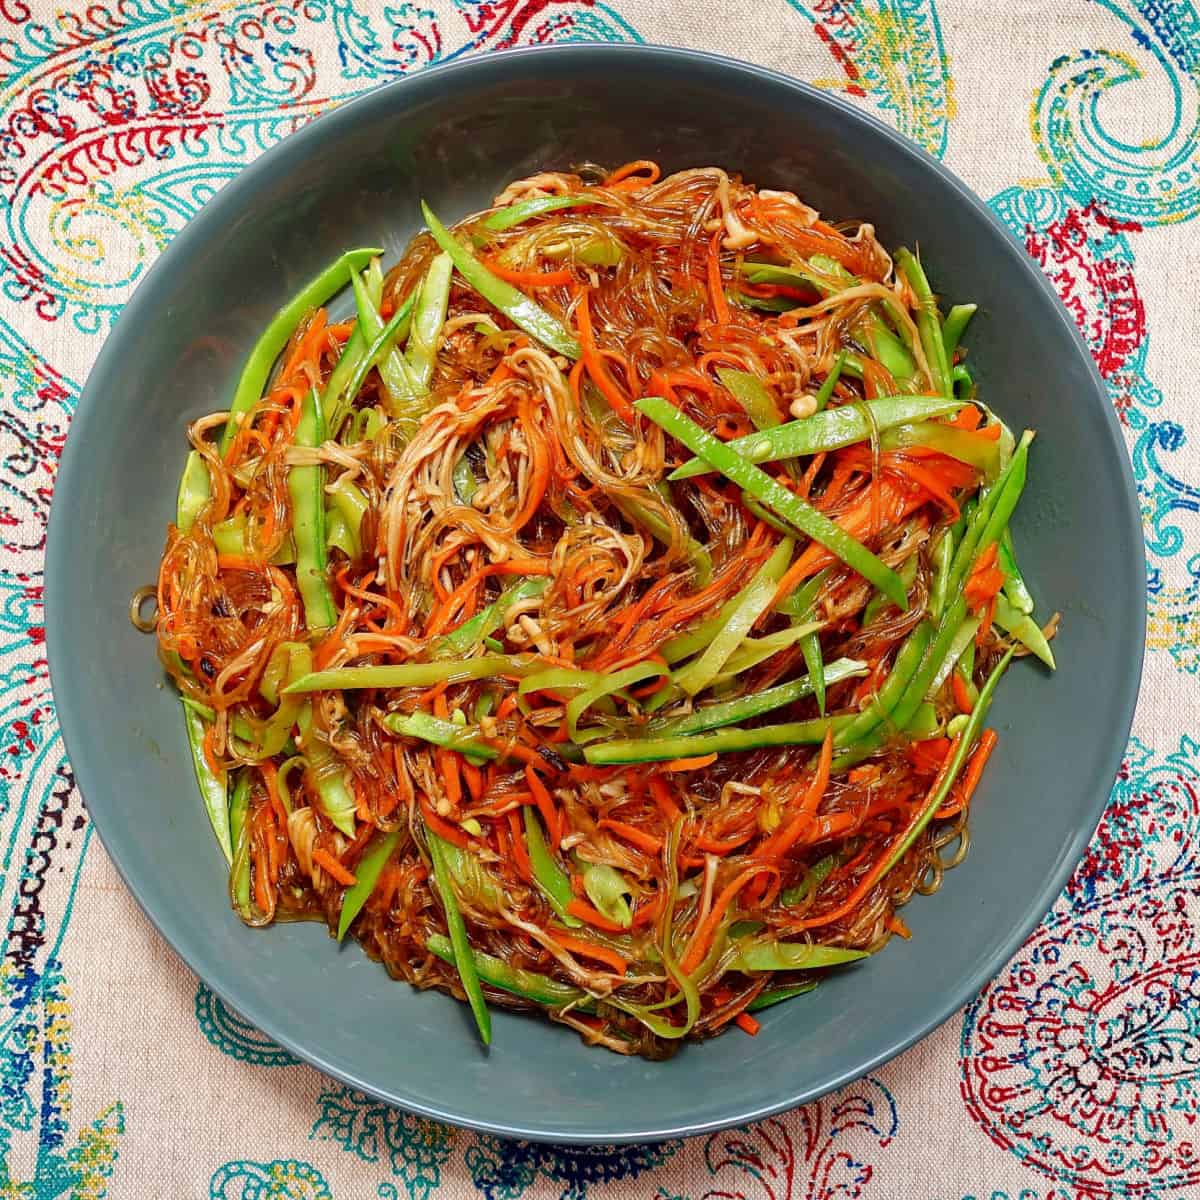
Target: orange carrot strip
(590,950)
(601,377)
(632,834)
(690,764)
(663,798)
(746,1022)
(962,698)
(703,935)
(330,864)
(532,279)
(585,912)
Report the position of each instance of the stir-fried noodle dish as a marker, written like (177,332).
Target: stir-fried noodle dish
(602,620)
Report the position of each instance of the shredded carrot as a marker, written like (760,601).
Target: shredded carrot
(663,798)
(546,806)
(590,950)
(716,288)
(962,698)
(690,764)
(971,777)
(444,830)
(585,912)
(601,377)
(898,927)
(703,935)
(531,279)
(806,809)
(746,1022)
(640,173)
(330,864)
(632,834)
(517,841)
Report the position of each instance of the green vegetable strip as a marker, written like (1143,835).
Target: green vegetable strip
(373,277)
(413,674)
(550,877)
(522,210)
(511,301)
(277,334)
(773,996)
(963,638)
(428,318)
(928,322)
(751,393)
(464,960)
(306,489)
(349,500)
(813,878)
(1014,582)
(960,444)
(953,327)
(382,347)
(328,778)
(529,985)
(942,555)
(904,666)
(756,598)
(195,490)
(609,892)
(606,685)
(441,733)
(719,741)
(1025,629)
(938,796)
(489,619)
(825,391)
(465,483)
(744,708)
(791,956)
(786,504)
(755,650)
(366,873)
(879,602)
(399,386)
(802,604)
(230,537)
(213,787)
(335,398)
(828,430)
(239,808)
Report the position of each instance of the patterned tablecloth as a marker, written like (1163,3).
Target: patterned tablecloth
(1073,1076)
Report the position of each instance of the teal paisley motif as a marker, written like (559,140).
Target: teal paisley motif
(234,1036)
(891,51)
(284,1179)
(414,1149)
(1155,182)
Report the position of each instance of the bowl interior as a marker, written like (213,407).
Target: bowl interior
(455,136)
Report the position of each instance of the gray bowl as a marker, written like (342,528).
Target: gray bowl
(455,134)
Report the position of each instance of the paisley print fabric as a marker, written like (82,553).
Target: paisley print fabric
(1075,1075)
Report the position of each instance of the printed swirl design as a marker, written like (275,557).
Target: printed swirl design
(235,1036)
(1083,1057)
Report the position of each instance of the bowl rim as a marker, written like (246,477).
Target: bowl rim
(513,63)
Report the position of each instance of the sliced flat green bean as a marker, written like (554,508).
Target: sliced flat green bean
(963,638)
(549,876)
(718,741)
(239,808)
(828,430)
(960,444)
(773,996)
(744,708)
(195,490)
(327,780)
(937,797)
(366,873)
(511,301)
(752,394)
(942,555)
(904,666)
(464,960)
(606,685)
(401,391)
(795,511)
(954,326)
(485,622)
(825,391)
(522,210)
(281,327)
(878,602)
(213,787)
(929,323)
(400,675)
(1025,629)
(335,397)
(428,317)
(609,892)
(754,601)
(464,739)
(306,488)
(529,985)
(1014,582)
(791,956)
